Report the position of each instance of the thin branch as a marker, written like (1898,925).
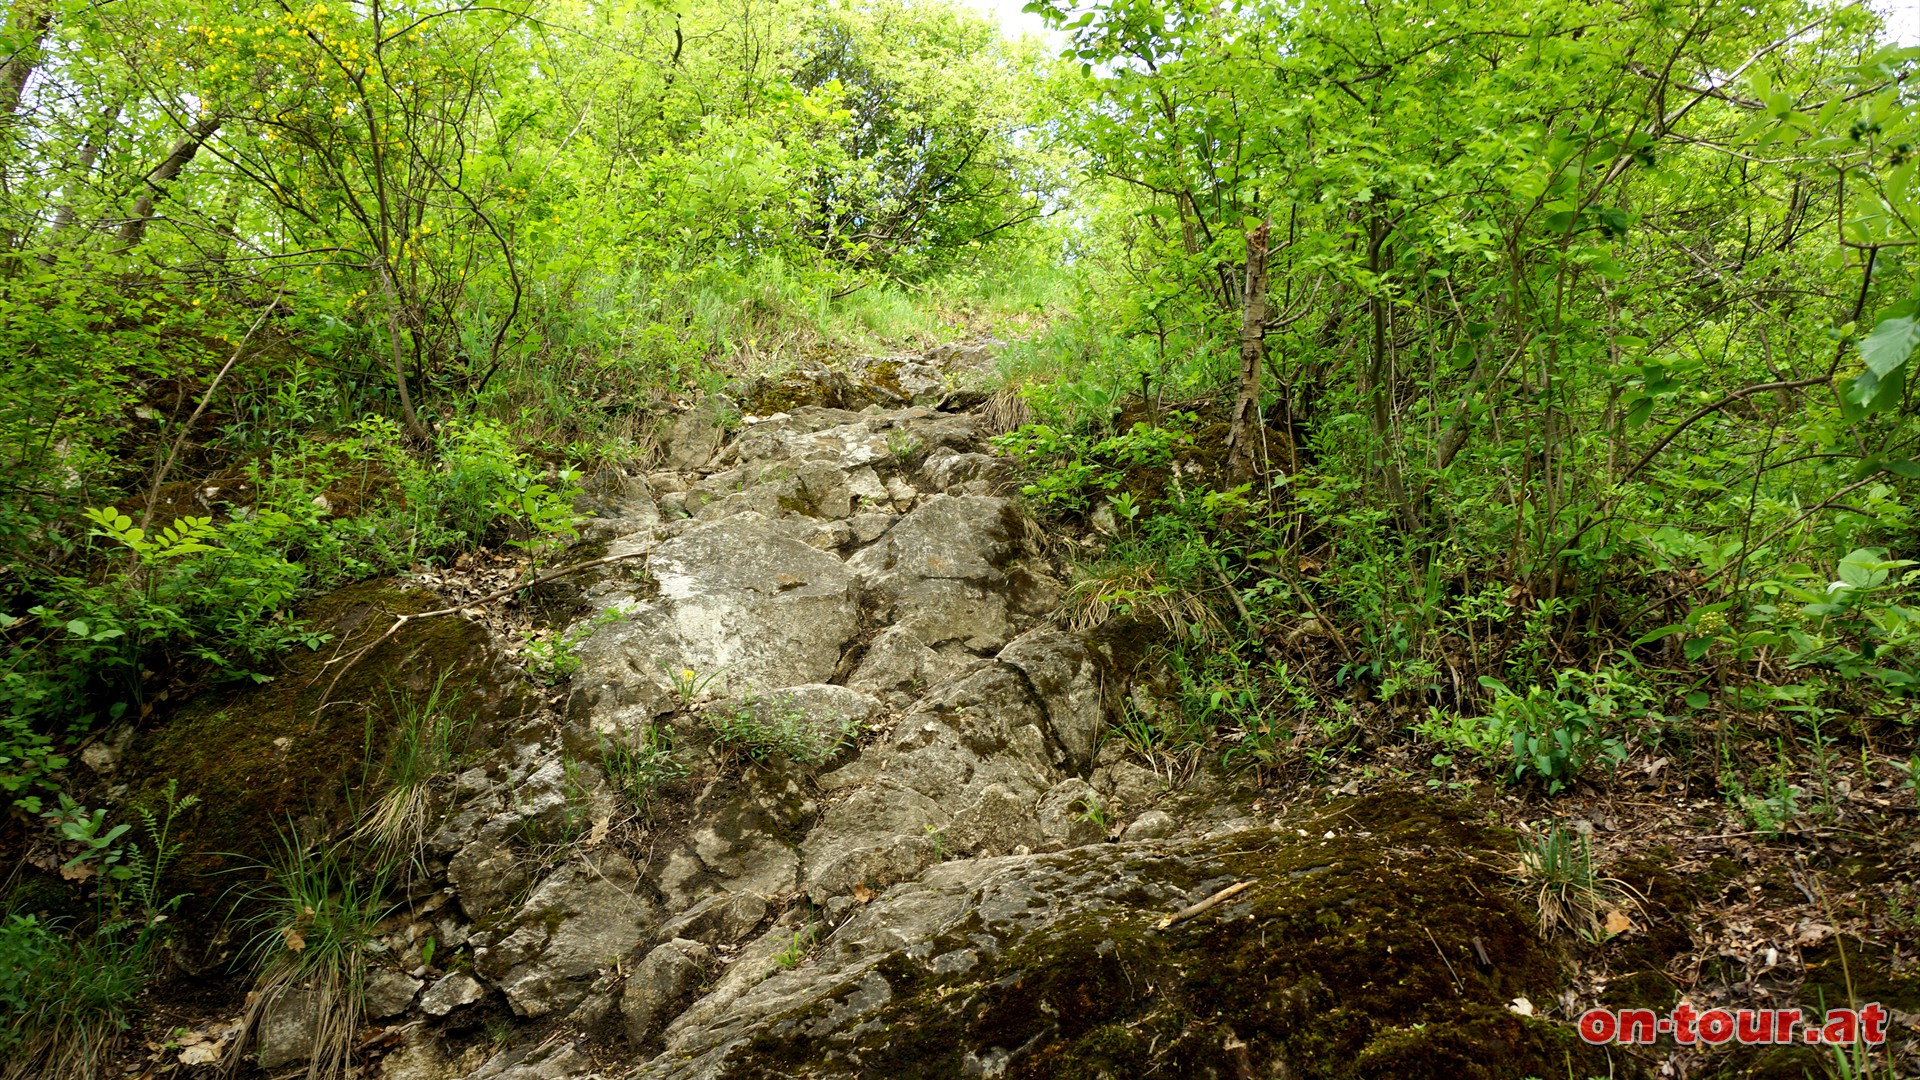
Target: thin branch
(1737,395)
(166,466)
(399,621)
(1206,905)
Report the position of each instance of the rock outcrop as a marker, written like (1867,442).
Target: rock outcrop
(829,794)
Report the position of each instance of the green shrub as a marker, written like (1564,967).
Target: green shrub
(65,996)
(1066,471)
(1555,733)
(222,594)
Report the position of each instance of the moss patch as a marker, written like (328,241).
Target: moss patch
(290,752)
(1386,950)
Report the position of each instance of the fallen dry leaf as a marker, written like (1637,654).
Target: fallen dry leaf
(200,1054)
(1617,922)
(1810,932)
(862,894)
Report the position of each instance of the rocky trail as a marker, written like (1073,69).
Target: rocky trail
(897,836)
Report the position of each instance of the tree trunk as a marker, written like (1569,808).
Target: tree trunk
(35,19)
(1253,355)
(396,356)
(163,174)
(1378,377)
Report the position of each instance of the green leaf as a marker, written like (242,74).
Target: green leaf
(1698,700)
(1890,344)
(1462,354)
(1867,394)
(1863,568)
(1908,469)
(1695,648)
(1652,636)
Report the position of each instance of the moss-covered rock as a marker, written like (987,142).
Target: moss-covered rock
(298,751)
(1377,941)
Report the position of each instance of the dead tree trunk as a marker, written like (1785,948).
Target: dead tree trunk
(1253,356)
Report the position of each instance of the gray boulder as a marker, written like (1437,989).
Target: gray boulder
(1091,962)
(536,1060)
(1071,814)
(661,986)
(693,437)
(738,598)
(949,470)
(1063,674)
(955,569)
(1152,825)
(451,992)
(285,1034)
(588,916)
(487,875)
(389,992)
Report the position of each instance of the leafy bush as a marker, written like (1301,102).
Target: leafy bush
(221,593)
(65,995)
(1067,470)
(1555,733)
(479,478)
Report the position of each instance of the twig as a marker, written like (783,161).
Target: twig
(1333,631)
(1795,523)
(399,621)
(166,466)
(1208,904)
(1457,988)
(1737,395)
(1233,593)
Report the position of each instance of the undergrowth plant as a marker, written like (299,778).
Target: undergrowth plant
(762,728)
(1556,867)
(312,931)
(65,998)
(1764,796)
(797,948)
(643,765)
(220,592)
(69,991)
(1554,734)
(429,737)
(690,686)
